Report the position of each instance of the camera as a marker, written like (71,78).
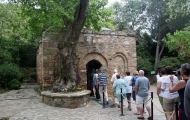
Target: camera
(177,72)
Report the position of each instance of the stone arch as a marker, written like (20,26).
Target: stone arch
(120,62)
(93,56)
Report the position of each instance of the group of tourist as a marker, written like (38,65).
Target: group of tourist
(136,86)
(175,87)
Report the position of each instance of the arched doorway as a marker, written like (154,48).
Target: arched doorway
(93,64)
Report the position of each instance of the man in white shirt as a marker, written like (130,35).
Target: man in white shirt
(113,79)
(159,83)
(128,89)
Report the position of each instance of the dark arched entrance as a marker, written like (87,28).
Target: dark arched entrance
(93,64)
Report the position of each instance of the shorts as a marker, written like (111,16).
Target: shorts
(169,104)
(113,92)
(129,97)
(92,84)
(141,100)
(134,96)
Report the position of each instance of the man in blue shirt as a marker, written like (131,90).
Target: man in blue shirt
(102,80)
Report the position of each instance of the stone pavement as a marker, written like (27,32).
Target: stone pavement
(25,104)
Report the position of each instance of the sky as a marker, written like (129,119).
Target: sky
(112,1)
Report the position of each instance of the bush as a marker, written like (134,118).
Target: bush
(8,72)
(14,84)
(33,75)
(21,76)
(3,91)
(144,64)
(169,61)
(38,88)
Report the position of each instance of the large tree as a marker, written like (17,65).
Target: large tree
(130,14)
(67,17)
(179,42)
(161,25)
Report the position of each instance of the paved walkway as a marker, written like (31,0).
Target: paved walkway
(24,104)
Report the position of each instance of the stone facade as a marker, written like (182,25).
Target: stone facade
(110,49)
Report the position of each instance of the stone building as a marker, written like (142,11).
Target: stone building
(110,49)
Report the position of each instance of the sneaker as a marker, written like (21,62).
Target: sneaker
(107,103)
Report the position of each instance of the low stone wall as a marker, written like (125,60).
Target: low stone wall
(66,100)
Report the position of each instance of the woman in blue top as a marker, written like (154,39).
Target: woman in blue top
(118,85)
(180,87)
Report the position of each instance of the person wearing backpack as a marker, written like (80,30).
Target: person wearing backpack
(132,83)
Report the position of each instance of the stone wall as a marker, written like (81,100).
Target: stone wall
(113,49)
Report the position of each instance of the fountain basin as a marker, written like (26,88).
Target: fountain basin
(66,100)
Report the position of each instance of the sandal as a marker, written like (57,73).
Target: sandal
(140,117)
(136,113)
(113,105)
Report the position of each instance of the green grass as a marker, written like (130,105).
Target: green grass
(4,118)
(3,91)
(38,89)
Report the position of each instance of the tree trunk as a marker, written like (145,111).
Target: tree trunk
(69,74)
(157,54)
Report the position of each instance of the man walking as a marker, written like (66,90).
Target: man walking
(102,80)
(128,89)
(113,79)
(142,87)
(132,83)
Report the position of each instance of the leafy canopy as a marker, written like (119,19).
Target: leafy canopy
(179,42)
(130,14)
(47,15)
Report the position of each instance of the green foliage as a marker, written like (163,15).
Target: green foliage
(14,84)
(144,64)
(130,14)
(5,118)
(169,61)
(176,7)
(49,15)
(145,46)
(21,76)
(27,56)
(8,72)
(14,34)
(38,88)
(179,42)
(3,91)
(98,16)
(33,75)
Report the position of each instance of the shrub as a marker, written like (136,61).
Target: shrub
(169,61)
(21,76)
(14,84)
(33,75)
(144,64)
(38,88)
(8,72)
(3,91)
